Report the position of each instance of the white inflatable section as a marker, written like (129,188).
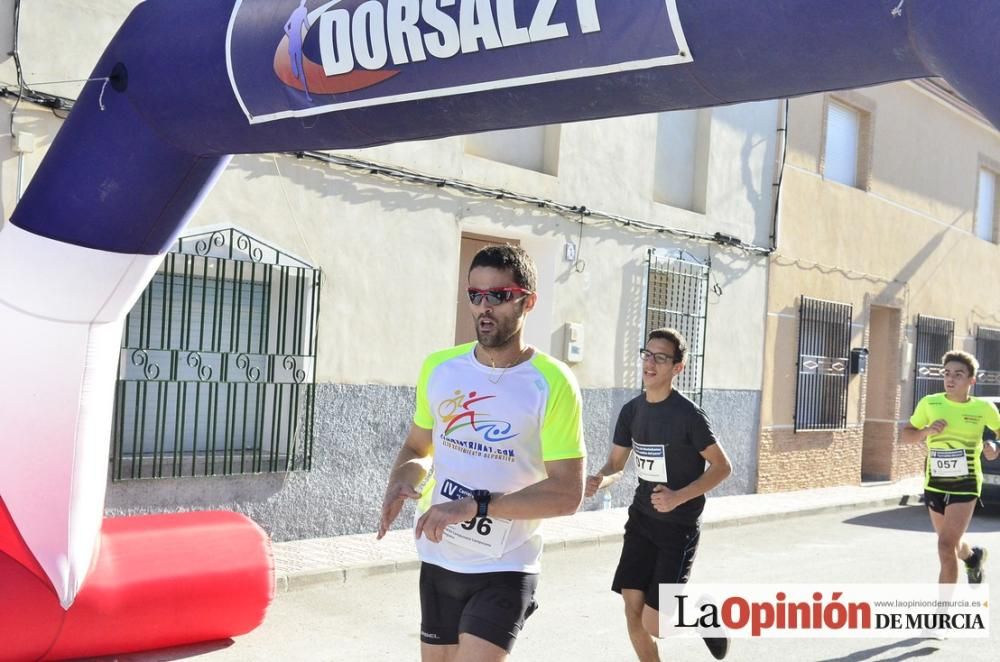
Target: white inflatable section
(61,314)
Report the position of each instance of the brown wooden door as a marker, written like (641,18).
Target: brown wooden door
(465,326)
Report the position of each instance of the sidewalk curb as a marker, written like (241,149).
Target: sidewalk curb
(296,581)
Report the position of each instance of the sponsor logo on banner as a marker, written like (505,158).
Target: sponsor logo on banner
(833,611)
(340,54)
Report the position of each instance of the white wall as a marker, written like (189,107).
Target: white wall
(389,249)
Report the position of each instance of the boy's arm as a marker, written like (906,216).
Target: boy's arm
(610,472)
(719,468)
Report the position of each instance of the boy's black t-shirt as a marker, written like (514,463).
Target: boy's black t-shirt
(679,430)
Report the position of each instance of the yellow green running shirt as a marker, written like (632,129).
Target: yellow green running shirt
(493,430)
(953,465)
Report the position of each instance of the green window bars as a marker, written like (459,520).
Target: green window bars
(217,369)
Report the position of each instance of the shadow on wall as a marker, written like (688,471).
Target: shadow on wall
(30,119)
(351,187)
(632,324)
(921,261)
(6,30)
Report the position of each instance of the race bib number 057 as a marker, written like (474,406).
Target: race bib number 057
(948,463)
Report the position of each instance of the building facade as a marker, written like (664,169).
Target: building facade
(269,367)
(887,255)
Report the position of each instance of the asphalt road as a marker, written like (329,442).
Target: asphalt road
(375,618)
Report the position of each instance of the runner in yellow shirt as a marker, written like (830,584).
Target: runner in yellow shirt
(952,424)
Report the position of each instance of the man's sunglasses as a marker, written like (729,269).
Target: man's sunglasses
(496,295)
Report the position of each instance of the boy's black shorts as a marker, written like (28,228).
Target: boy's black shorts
(938,501)
(654,552)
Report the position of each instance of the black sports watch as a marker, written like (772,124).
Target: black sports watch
(482,498)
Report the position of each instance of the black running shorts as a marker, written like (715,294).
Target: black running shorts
(492,605)
(654,552)
(938,501)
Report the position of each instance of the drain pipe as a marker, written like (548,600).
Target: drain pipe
(781,152)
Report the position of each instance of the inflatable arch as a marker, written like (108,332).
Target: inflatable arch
(192,82)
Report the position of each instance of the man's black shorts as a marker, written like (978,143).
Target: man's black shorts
(654,552)
(491,605)
(938,501)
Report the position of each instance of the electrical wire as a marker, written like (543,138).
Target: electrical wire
(56,103)
(15,53)
(291,210)
(776,195)
(23,91)
(579,264)
(572,212)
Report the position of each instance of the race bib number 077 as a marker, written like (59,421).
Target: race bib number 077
(650,462)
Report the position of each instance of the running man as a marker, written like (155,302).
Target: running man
(297,24)
(497,435)
(952,424)
(670,439)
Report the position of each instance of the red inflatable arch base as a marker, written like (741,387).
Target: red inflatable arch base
(158,581)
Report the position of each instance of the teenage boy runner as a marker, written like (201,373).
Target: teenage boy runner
(501,423)
(671,439)
(951,424)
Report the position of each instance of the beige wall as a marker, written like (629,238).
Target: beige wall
(389,250)
(907,243)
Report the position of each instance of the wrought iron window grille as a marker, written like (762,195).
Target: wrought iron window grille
(988,354)
(823,365)
(677,290)
(935,337)
(217,368)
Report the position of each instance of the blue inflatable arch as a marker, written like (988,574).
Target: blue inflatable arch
(191,82)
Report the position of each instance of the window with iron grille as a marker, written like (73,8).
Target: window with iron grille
(217,368)
(824,350)
(677,297)
(935,337)
(988,353)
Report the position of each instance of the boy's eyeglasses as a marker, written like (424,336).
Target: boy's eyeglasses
(658,357)
(495,295)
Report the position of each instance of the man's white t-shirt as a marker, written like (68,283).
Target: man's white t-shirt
(493,430)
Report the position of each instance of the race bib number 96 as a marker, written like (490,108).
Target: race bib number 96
(485,535)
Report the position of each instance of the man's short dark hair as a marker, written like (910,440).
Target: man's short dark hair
(675,337)
(966,359)
(507,257)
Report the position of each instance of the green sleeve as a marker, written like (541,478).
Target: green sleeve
(992,417)
(920,419)
(423,417)
(562,429)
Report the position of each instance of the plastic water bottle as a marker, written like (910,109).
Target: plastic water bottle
(605,500)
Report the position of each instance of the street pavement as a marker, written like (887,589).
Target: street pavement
(352,599)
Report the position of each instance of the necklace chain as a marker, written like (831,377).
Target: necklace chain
(495,378)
